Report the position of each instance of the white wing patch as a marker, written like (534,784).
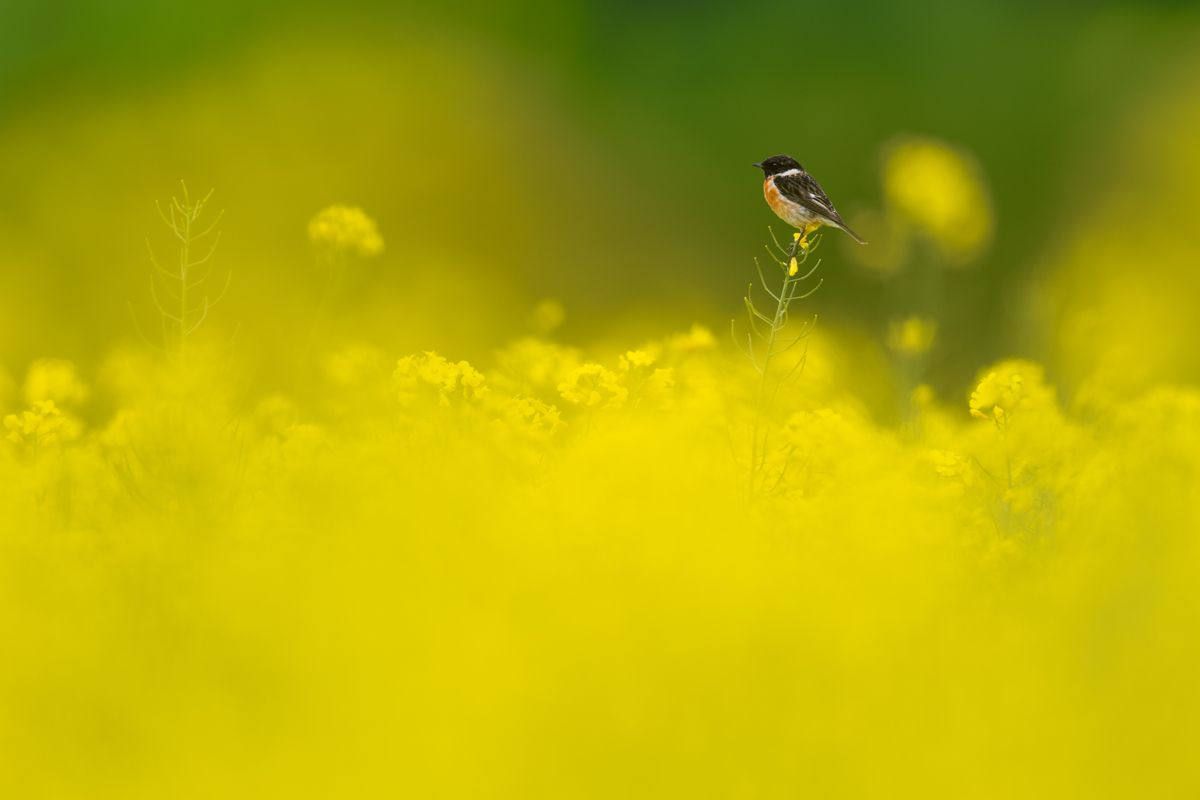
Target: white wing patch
(820,202)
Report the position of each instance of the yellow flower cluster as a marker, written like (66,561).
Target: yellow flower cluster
(635,359)
(548,507)
(531,415)
(1013,385)
(451,381)
(51,385)
(939,190)
(345,230)
(44,424)
(592,385)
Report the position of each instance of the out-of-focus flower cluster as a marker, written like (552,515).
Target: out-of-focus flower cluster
(939,191)
(43,424)
(448,381)
(52,389)
(345,230)
(933,193)
(1014,386)
(420,541)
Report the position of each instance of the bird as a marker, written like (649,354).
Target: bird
(798,199)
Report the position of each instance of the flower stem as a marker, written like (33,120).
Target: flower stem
(766,392)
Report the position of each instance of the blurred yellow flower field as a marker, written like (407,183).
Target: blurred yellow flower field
(527,577)
(419,457)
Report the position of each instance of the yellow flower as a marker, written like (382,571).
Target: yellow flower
(532,415)
(15,427)
(911,336)
(989,394)
(940,191)
(636,358)
(43,424)
(1012,386)
(793,267)
(345,229)
(592,385)
(431,371)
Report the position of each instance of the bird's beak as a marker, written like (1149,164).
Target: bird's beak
(757,164)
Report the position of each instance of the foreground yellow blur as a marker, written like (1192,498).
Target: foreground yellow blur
(542,577)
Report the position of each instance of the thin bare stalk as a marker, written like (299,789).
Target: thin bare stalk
(767,329)
(181,287)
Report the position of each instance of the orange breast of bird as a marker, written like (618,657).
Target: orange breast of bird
(792,213)
(773,198)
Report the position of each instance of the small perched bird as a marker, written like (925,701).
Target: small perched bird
(798,199)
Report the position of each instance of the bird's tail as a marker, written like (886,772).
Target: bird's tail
(851,233)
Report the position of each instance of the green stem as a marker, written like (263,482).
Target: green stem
(759,440)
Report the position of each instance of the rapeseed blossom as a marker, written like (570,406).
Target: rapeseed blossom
(43,424)
(451,381)
(414,533)
(267,576)
(345,230)
(592,385)
(1010,387)
(420,541)
(634,359)
(939,191)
